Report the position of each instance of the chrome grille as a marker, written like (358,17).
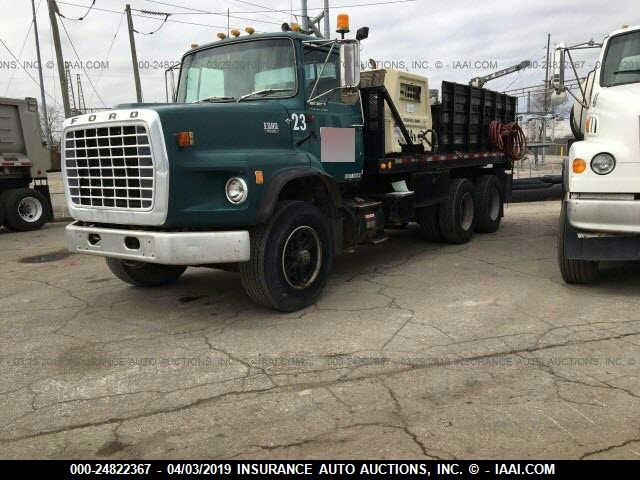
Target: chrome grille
(110,167)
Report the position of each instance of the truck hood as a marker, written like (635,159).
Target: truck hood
(223,126)
(617,129)
(619,98)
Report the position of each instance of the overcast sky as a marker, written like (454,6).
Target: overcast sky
(442,40)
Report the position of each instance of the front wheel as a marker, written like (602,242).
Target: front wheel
(291,258)
(142,274)
(573,271)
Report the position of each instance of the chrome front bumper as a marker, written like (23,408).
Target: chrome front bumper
(611,216)
(168,248)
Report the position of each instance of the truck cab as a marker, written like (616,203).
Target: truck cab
(272,160)
(600,217)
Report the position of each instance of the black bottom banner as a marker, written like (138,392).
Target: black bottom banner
(457,469)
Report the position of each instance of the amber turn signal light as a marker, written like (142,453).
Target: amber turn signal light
(185,139)
(579,165)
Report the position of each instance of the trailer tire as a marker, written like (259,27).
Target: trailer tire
(428,223)
(489,201)
(142,274)
(25,209)
(291,258)
(457,214)
(573,271)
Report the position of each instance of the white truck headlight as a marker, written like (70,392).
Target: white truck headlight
(236,190)
(603,163)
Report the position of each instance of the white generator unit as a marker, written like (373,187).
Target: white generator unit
(410,94)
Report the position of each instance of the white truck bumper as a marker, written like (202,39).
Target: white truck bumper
(611,216)
(168,248)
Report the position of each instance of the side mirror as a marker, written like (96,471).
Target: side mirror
(170,86)
(362,33)
(557,80)
(349,64)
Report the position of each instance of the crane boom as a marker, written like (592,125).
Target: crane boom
(480,81)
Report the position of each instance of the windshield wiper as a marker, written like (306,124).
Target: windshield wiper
(266,91)
(632,70)
(216,99)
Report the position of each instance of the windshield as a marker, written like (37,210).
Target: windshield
(255,69)
(622,60)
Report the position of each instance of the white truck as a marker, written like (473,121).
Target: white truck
(600,216)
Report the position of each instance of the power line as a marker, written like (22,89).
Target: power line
(25,70)
(113,41)
(93,87)
(145,16)
(79,19)
(197,11)
(164,21)
(24,43)
(260,6)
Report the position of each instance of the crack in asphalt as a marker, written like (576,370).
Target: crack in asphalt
(302,386)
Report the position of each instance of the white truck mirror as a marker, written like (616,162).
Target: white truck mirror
(557,80)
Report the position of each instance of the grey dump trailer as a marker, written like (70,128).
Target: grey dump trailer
(25,202)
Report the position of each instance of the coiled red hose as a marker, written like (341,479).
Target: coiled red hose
(508,138)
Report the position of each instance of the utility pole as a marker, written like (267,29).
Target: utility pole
(305,16)
(134,55)
(327,24)
(43,101)
(546,99)
(53,9)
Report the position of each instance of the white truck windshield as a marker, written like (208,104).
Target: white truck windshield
(253,69)
(622,60)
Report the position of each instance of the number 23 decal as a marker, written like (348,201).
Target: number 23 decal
(299,121)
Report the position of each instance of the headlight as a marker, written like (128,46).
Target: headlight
(236,190)
(603,163)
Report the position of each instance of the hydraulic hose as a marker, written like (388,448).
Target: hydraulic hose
(508,138)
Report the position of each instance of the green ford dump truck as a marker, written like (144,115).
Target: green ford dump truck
(276,155)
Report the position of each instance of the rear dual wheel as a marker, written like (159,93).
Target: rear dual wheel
(457,215)
(469,207)
(490,201)
(24,209)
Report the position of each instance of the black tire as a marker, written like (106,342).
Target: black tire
(489,202)
(457,215)
(266,279)
(25,209)
(573,271)
(428,223)
(142,274)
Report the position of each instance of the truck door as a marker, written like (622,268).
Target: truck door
(331,125)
